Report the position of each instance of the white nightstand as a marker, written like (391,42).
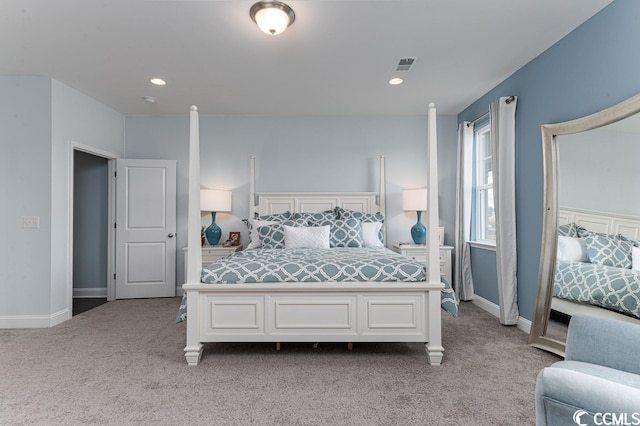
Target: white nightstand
(419,253)
(210,254)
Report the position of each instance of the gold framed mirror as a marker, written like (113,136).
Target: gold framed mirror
(545,333)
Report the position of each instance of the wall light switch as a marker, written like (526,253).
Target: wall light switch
(31,221)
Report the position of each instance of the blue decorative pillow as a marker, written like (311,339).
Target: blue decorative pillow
(344,233)
(253,224)
(318,217)
(272,236)
(582,232)
(635,243)
(572,230)
(568,230)
(608,250)
(276,217)
(344,214)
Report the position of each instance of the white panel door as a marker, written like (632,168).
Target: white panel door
(145,228)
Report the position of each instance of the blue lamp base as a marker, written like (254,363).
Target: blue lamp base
(418,231)
(213,232)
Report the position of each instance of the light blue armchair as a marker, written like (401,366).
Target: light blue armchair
(599,378)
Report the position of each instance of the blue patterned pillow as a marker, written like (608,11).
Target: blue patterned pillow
(322,216)
(635,243)
(572,230)
(568,230)
(253,224)
(344,214)
(276,217)
(608,250)
(272,236)
(582,232)
(344,233)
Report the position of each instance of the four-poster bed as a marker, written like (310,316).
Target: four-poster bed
(328,311)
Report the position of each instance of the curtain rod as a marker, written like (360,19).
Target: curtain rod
(508,101)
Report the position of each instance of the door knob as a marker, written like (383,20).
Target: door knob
(170,235)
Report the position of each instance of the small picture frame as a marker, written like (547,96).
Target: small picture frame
(234,239)
(441,235)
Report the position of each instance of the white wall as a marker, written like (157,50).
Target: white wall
(598,170)
(301,153)
(25,173)
(39,117)
(77,118)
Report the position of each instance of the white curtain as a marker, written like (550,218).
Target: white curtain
(463,282)
(502,114)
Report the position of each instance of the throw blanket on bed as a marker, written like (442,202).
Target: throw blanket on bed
(314,265)
(617,289)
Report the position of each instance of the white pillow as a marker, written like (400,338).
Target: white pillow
(254,235)
(635,258)
(370,232)
(306,237)
(571,249)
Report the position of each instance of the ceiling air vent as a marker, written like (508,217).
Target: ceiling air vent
(405,64)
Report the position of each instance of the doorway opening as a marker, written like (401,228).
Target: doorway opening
(91,215)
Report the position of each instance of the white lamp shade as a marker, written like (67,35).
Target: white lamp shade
(214,200)
(414,200)
(272,20)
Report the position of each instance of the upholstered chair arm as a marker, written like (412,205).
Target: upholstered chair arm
(603,341)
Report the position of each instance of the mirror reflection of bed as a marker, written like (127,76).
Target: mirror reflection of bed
(593,215)
(584,285)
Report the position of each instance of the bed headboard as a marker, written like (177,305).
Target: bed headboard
(266,203)
(598,221)
(314,202)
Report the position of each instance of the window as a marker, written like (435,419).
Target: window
(484,212)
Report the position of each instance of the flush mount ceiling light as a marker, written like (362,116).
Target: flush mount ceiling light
(157,81)
(272,17)
(395,81)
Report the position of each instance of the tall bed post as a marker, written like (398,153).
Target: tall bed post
(193,349)
(252,187)
(434,345)
(382,203)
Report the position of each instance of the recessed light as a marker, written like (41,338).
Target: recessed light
(158,81)
(395,81)
(149,99)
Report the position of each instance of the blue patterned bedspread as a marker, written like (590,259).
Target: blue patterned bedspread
(617,289)
(314,265)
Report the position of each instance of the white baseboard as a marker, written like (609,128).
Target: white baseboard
(523,323)
(34,321)
(59,317)
(85,293)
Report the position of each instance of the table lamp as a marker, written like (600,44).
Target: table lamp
(214,200)
(415,200)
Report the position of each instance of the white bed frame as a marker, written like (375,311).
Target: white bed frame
(599,221)
(313,312)
(596,221)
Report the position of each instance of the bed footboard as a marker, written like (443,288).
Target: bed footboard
(326,312)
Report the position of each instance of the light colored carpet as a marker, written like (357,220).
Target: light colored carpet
(123,363)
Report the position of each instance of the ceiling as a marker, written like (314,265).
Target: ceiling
(336,58)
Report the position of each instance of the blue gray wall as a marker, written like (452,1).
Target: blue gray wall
(25,190)
(598,169)
(40,120)
(592,68)
(302,153)
(75,119)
